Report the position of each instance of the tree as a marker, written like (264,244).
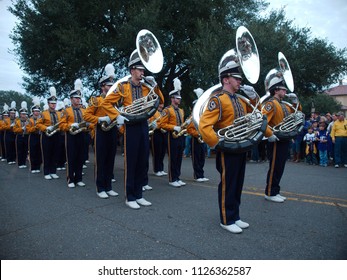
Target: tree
(9,96)
(59,41)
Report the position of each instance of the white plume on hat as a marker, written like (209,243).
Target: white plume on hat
(5,107)
(45,107)
(78,85)
(36,101)
(53,91)
(109,70)
(24,105)
(13,105)
(198,92)
(177,84)
(60,105)
(67,102)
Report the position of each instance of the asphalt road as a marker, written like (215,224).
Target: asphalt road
(43,219)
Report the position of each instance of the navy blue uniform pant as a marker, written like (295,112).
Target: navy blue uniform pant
(136,153)
(10,145)
(74,156)
(232,171)
(50,152)
(278,155)
(159,147)
(105,145)
(22,148)
(198,158)
(35,156)
(175,150)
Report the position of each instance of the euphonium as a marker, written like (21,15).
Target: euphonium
(293,124)
(54,130)
(82,126)
(151,56)
(183,130)
(247,130)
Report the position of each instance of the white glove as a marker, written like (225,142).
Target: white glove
(188,121)
(104,119)
(177,128)
(150,80)
(273,138)
(293,97)
(75,125)
(12,124)
(49,128)
(120,119)
(154,124)
(249,91)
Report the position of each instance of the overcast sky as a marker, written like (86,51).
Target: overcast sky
(326,18)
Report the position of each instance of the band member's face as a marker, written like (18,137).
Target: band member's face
(12,115)
(36,113)
(176,101)
(137,74)
(52,106)
(23,116)
(75,101)
(233,83)
(281,92)
(105,89)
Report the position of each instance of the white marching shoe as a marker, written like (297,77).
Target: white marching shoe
(274,198)
(241,224)
(232,228)
(132,204)
(143,202)
(147,188)
(175,184)
(54,176)
(81,184)
(281,196)
(163,173)
(102,194)
(112,193)
(71,185)
(48,177)
(181,183)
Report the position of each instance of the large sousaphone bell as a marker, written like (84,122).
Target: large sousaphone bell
(151,56)
(293,124)
(244,132)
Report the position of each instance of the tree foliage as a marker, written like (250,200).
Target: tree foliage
(58,41)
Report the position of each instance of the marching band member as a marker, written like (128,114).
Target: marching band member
(35,155)
(48,125)
(277,149)
(22,135)
(136,141)
(198,148)
(61,160)
(5,116)
(105,142)
(71,120)
(172,119)
(158,142)
(223,107)
(10,137)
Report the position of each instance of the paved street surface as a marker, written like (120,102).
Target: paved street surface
(43,219)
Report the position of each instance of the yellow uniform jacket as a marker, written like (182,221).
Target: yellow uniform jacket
(124,95)
(69,116)
(222,109)
(31,126)
(275,111)
(18,127)
(172,117)
(191,130)
(46,121)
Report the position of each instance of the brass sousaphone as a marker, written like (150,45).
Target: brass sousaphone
(293,124)
(151,56)
(246,131)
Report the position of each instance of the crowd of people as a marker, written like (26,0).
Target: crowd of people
(315,144)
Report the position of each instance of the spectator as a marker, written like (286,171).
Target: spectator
(311,150)
(339,137)
(322,140)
